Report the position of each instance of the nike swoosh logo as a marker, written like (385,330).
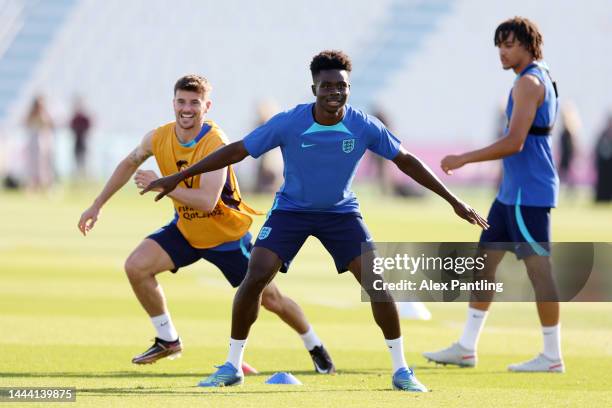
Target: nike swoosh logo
(319,369)
(163,324)
(307,145)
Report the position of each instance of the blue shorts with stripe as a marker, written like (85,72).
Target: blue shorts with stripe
(232,260)
(342,234)
(524,230)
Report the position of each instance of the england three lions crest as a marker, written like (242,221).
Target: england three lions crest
(348,145)
(265,231)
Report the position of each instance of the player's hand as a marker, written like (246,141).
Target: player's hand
(88,219)
(469,214)
(451,162)
(143,178)
(165,185)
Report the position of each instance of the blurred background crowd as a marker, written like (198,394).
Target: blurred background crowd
(82,81)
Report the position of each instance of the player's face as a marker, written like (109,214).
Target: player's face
(190,108)
(332,88)
(511,52)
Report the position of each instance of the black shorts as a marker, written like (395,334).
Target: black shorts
(233,263)
(521,229)
(342,234)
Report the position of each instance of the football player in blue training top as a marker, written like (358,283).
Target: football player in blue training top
(322,144)
(520,215)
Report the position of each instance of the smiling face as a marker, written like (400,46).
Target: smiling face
(331,88)
(190,108)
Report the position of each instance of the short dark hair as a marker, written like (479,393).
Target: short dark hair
(330,59)
(525,31)
(193,83)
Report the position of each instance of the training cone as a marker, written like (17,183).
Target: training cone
(248,369)
(283,378)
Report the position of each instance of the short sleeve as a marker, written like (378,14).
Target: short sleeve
(266,137)
(380,140)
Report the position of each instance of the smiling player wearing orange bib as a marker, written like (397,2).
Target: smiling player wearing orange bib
(211,222)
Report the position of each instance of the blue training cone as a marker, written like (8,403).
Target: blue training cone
(283,378)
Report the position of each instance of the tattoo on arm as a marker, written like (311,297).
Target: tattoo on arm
(137,157)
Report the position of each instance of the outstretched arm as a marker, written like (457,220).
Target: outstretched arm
(124,170)
(230,154)
(417,170)
(526,94)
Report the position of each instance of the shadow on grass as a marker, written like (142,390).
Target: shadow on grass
(110,374)
(140,374)
(429,369)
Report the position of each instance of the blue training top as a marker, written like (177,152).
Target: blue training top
(320,161)
(530,177)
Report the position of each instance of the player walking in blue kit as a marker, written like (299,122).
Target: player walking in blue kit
(322,143)
(520,215)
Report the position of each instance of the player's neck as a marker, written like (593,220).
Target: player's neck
(322,117)
(524,64)
(187,135)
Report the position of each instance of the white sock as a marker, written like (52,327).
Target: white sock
(552,341)
(236,352)
(310,339)
(164,327)
(396,348)
(473,326)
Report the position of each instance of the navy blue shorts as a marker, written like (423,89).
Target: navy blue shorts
(342,234)
(522,229)
(232,263)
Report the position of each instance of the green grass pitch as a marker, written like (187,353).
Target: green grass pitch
(68,317)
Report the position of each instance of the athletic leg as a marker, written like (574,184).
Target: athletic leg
(146,261)
(292,314)
(533,231)
(539,269)
(494,243)
(387,318)
(482,300)
(277,243)
(382,304)
(263,266)
(141,267)
(285,308)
